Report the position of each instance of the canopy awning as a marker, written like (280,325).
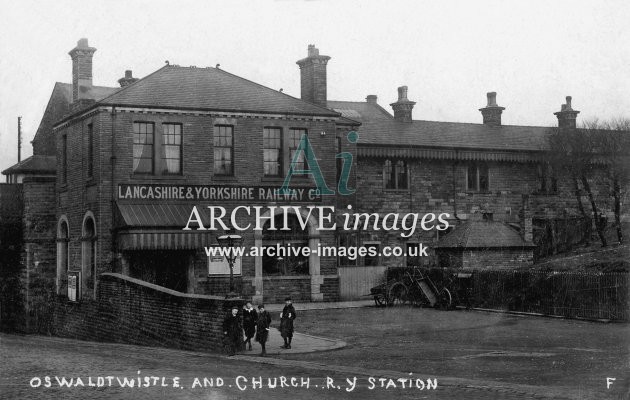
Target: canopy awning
(158,227)
(153,215)
(164,240)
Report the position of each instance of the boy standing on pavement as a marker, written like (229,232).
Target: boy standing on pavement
(232,330)
(250,317)
(286,323)
(262,328)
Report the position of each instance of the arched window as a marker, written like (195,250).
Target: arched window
(63,252)
(88,248)
(283,254)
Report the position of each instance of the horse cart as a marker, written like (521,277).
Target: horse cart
(414,287)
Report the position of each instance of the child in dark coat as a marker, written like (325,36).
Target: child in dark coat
(250,318)
(232,330)
(262,328)
(286,323)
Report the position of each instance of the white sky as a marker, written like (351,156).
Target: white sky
(449,53)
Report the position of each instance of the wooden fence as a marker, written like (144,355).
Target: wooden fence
(356,282)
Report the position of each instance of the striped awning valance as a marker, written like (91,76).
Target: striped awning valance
(446,154)
(166,240)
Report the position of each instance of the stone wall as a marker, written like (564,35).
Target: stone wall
(494,259)
(128,310)
(12,297)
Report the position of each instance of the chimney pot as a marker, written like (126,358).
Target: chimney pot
(567,115)
(128,79)
(371,98)
(492,112)
(403,107)
(402,93)
(312,50)
(492,99)
(82,43)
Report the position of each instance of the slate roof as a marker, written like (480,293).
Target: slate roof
(59,105)
(360,111)
(379,128)
(153,215)
(190,88)
(482,235)
(36,164)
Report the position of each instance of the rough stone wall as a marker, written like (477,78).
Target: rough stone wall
(494,259)
(128,310)
(39,255)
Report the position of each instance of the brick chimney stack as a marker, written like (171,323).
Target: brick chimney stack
(128,79)
(492,112)
(371,98)
(567,115)
(81,68)
(313,77)
(403,107)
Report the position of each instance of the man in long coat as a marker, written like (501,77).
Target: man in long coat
(286,323)
(232,330)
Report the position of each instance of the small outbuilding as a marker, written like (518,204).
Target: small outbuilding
(484,244)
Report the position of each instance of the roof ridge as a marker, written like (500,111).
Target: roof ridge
(122,89)
(268,88)
(481,124)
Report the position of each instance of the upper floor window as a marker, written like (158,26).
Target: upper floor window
(395,174)
(279,149)
(295,137)
(477,177)
(64,158)
(143,138)
(223,150)
(90,162)
(272,151)
(547,179)
(172,149)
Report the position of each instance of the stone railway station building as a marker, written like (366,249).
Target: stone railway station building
(116,171)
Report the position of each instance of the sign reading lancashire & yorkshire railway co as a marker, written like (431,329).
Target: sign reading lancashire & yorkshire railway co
(160,192)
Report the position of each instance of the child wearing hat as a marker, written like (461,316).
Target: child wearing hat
(232,330)
(286,323)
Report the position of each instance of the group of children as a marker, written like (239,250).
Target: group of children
(256,325)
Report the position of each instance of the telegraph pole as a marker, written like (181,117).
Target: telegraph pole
(19,139)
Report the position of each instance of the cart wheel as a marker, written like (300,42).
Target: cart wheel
(379,300)
(446,300)
(397,295)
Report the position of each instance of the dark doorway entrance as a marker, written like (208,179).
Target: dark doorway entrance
(167,268)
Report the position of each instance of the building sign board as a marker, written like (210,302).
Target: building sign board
(218,265)
(162,192)
(74,286)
